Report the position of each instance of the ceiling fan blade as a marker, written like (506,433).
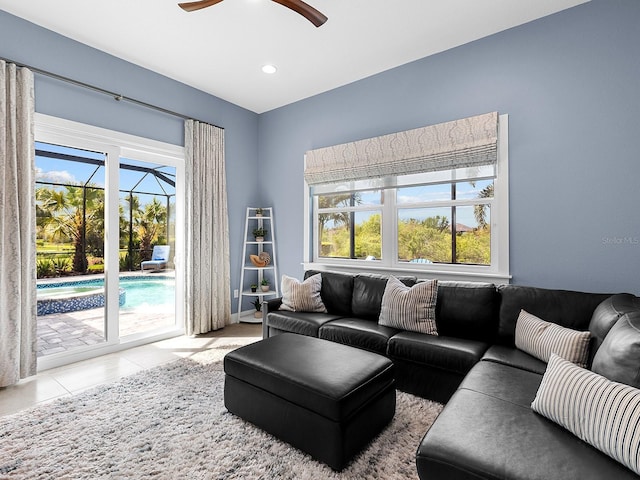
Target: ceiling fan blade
(307,11)
(191,6)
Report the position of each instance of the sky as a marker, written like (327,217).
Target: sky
(72,172)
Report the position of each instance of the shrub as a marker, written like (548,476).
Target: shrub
(95,260)
(45,268)
(61,265)
(124,261)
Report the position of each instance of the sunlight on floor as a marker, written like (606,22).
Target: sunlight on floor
(74,378)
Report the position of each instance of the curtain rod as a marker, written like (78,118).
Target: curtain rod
(116,96)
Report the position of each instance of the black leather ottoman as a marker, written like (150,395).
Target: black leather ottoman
(326,399)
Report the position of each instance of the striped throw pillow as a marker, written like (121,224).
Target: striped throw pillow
(541,339)
(302,297)
(410,308)
(603,413)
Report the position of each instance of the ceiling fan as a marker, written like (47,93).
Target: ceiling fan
(307,11)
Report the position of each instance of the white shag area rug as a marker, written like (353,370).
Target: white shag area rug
(170,423)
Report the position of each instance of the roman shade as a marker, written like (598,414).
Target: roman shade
(469,142)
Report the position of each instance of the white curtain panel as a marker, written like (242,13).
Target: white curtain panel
(208,279)
(17,225)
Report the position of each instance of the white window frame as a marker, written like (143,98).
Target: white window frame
(118,145)
(497,272)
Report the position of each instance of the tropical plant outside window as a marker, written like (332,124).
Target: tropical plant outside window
(454,232)
(445,223)
(349,225)
(70,210)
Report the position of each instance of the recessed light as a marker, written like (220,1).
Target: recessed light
(269,69)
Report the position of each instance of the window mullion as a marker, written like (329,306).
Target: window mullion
(389,227)
(111,244)
(453,224)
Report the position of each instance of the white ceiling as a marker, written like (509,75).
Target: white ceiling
(221,49)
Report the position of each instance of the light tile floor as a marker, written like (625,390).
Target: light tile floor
(76,377)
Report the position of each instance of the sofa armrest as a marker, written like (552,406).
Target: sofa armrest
(269,306)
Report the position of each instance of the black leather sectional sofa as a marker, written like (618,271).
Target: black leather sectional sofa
(487,429)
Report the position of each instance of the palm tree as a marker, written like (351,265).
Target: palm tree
(339,219)
(70,213)
(149,224)
(480,211)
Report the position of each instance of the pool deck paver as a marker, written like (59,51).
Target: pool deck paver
(59,332)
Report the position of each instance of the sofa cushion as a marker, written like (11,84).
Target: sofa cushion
(446,353)
(541,339)
(410,308)
(513,357)
(607,313)
(359,333)
(603,413)
(336,291)
(302,296)
(468,310)
(368,290)
(479,436)
(564,307)
(513,385)
(304,323)
(618,358)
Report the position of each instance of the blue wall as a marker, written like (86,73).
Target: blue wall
(27,43)
(570,85)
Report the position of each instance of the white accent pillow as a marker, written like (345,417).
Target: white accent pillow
(410,308)
(603,413)
(541,339)
(302,297)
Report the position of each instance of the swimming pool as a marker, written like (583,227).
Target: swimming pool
(134,293)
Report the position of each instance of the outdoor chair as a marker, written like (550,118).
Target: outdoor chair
(159,258)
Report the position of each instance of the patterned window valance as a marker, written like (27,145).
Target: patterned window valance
(461,143)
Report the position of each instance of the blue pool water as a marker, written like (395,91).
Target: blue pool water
(144,291)
(135,293)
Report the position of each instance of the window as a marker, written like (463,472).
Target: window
(445,223)
(349,225)
(449,221)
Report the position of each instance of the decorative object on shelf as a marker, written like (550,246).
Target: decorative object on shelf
(265,257)
(264,285)
(258,304)
(258,212)
(255,259)
(259,233)
(261,260)
(254,288)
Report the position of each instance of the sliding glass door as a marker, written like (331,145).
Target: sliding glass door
(109,245)
(147,202)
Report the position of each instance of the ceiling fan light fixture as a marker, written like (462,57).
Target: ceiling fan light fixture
(269,69)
